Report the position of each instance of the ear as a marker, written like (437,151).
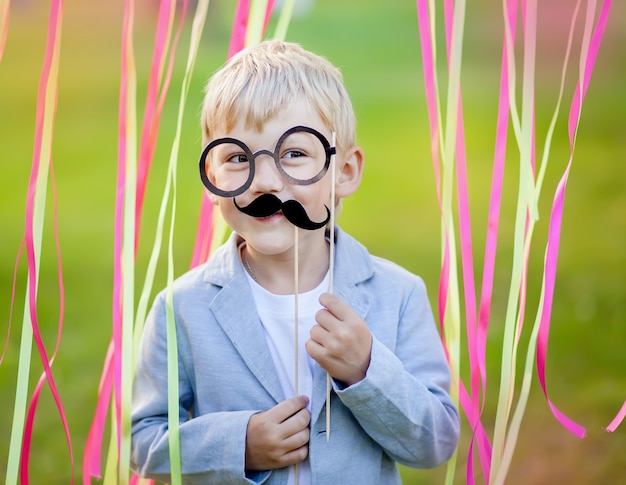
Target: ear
(211,176)
(349,171)
(215,200)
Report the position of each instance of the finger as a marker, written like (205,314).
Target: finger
(327,320)
(295,424)
(335,305)
(321,345)
(296,440)
(336,312)
(295,456)
(321,355)
(287,408)
(314,349)
(319,334)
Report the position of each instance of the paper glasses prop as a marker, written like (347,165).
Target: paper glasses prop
(302,156)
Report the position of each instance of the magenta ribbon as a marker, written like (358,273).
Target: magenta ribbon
(47,99)
(112,370)
(204,235)
(473,401)
(552,250)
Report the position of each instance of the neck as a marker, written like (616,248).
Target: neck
(276,273)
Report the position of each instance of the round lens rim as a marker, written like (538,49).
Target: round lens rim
(328,150)
(205,179)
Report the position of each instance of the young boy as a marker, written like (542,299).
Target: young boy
(268,116)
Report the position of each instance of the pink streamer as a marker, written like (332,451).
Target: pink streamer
(92,457)
(119,219)
(206,221)
(618,419)
(431,105)
(529,31)
(479,435)
(492,230)
(202,248)
(28,429)
(155,101)
(477,330)
(14,285)
(596,40)
(240,25)
(556,220)
(111,376)
(477,365)
(5,31)
(56,15)
(552,253)
(471,407)
(429,86)
(112,370)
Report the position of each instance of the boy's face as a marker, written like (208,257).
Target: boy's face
(302,156)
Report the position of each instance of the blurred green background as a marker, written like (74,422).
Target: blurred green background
(376,45)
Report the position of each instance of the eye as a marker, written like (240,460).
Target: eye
(293,154)
(237,158)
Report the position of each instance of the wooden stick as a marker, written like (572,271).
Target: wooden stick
(296,278)
(295,316)
(331,266)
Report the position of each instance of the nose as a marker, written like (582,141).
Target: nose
(267,178)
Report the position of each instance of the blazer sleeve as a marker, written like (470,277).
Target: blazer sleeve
(403,403)
(212,445)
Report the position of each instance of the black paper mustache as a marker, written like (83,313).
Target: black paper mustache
(268,204)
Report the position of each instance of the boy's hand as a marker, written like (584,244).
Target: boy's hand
(279,436)
(341,343)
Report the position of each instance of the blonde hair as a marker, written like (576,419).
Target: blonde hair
(260,81)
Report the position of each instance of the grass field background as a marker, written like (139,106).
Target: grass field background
(395,213)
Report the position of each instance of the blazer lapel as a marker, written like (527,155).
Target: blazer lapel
(318,400)
(234,310)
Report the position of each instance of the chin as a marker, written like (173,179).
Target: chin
(272,239)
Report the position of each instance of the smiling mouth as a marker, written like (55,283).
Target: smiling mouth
(275,215)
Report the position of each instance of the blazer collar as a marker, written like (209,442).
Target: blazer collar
(234,310)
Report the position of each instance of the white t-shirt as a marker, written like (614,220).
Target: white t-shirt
(277,314)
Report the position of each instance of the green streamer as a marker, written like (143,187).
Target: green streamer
(256,22)
(518,414)
(39,202)
(110,476)
(21,395)
(172,347)
(526,206)
(283,21)
(128,253)
(452,318)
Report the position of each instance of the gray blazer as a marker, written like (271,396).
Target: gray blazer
(401,412)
